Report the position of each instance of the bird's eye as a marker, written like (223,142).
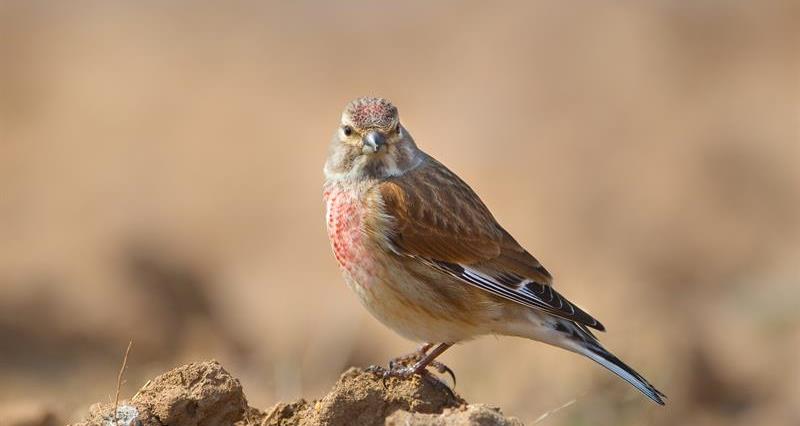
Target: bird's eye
(347,130)
(397,128)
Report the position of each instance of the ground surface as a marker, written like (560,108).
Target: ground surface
(205,394)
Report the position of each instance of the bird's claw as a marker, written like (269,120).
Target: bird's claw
(443,369)
(402,371)
(405,360)
(414,357)
(375,369)
(397,370)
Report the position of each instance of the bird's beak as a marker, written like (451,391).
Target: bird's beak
(373,140)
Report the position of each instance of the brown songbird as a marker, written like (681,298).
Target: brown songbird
(427,258)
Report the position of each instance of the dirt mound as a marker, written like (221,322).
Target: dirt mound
(193,394)
(205,394)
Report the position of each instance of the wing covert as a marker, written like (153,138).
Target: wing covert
(438,219)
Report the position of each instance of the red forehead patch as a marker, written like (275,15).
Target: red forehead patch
(372,112)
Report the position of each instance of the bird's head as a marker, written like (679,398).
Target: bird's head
(370,142)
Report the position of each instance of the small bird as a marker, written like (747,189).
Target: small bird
(426,257)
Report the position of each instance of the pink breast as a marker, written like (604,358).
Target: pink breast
(345,219)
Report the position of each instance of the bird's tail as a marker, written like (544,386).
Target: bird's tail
(611,362)
(578,339)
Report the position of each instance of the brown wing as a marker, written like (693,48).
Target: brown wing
(439,220)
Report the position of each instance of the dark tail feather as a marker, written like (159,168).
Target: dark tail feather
(577,338)
(605,358)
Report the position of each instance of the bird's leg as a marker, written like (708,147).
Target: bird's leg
(426,359)
(410,358)
(429,358)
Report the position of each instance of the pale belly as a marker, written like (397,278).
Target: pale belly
(405,296)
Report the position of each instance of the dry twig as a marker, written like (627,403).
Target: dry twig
(554,410)
(119,380)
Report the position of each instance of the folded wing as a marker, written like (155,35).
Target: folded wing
(438,220)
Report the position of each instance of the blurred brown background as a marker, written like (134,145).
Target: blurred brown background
(160,180)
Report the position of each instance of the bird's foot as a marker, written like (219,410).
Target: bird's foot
(376,370)
(404,372)
(410,358)
(399,371)
(407,366)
